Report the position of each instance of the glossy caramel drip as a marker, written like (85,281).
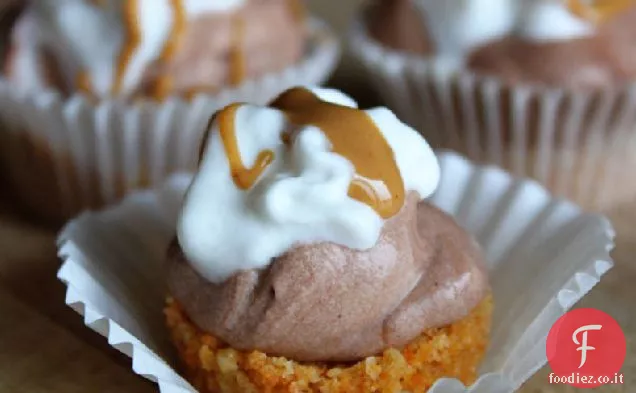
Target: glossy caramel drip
(598,11)
(353,135)
(164,83)
(237,56)
(192,92)
(242,176)
(83,83)
(133,38)
(297,9)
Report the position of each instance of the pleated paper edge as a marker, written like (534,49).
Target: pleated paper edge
(156,369)
(169,381)
(579,284)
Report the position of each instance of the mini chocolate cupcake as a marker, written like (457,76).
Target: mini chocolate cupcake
(307,260)
(101,97)
(541,87)
(198,48)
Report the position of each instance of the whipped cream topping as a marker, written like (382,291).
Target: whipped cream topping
(107,44)
(456,26)
(551,20)
(297,186)
(459,26)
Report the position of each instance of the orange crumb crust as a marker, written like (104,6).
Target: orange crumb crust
(451,351)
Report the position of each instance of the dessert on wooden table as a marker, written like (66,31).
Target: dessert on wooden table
(306,258)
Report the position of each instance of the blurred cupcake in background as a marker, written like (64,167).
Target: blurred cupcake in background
(544,88)
(102,97)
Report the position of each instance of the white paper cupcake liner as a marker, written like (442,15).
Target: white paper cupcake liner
(579,145)
(544,254)
(64,155)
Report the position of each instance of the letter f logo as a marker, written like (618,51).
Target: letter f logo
(583,344)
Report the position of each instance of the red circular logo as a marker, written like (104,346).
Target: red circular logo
(586,348)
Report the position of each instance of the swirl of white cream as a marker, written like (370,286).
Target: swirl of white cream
(550,20)
(89,37)
(301,197)
(459,26)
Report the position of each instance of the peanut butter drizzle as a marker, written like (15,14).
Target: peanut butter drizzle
(297,9)
(242,176)
(237,57)
(353,135)
(133,39)
(192,92)
(598,11)
(83,83)
(377,182)
(164,84)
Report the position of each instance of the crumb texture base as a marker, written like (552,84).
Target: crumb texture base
(452,351)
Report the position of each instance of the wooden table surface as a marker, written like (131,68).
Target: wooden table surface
(44,346)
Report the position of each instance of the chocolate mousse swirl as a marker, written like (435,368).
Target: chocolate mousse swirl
(327,302)
(345,259)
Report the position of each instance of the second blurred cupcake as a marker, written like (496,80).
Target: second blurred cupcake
(101,97)
(541,87)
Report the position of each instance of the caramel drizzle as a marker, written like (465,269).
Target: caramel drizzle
(133,39)
(164,84)
(84,84)
(598,11)
(297,9)
(238,67)
(192,92)
(352,134)
(242,176)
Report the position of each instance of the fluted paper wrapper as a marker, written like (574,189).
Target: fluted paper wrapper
(580,145)
(62,155)
(544,255)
